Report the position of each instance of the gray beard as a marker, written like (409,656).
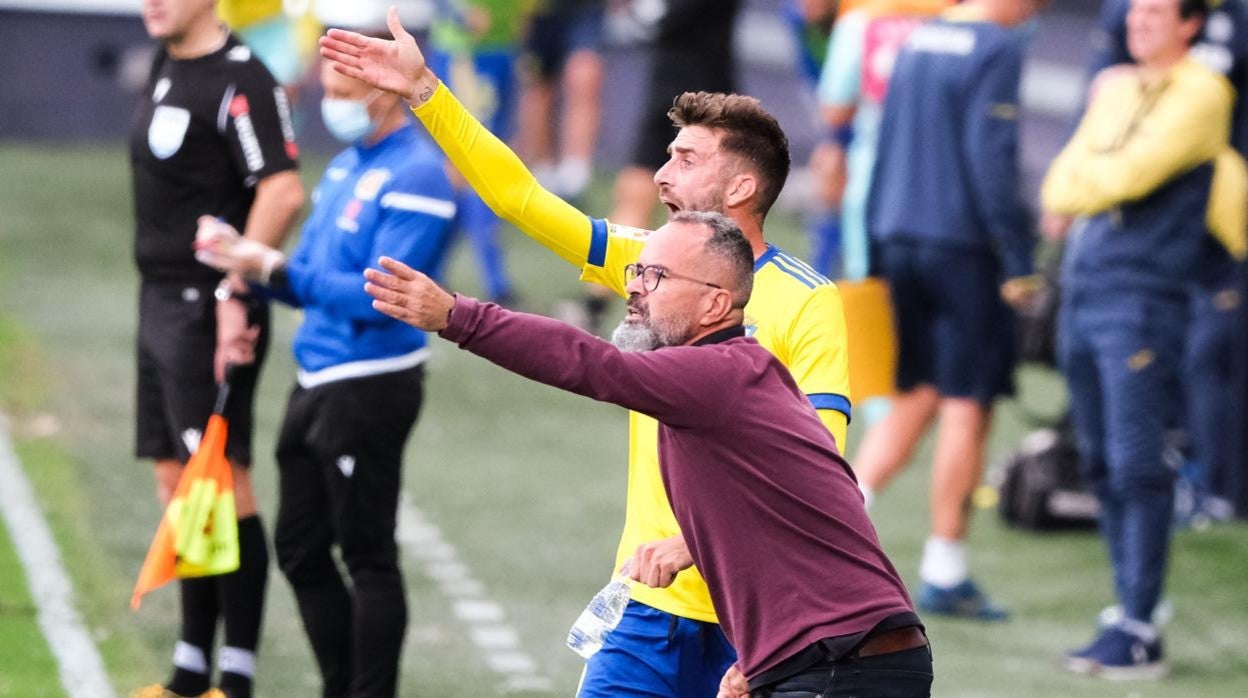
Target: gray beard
(635,336)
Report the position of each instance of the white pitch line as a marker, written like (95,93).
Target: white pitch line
(82,670)
(423,542)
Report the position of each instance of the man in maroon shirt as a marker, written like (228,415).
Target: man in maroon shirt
(770,510)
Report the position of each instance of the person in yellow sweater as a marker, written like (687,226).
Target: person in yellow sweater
(729,156)
(1160,195)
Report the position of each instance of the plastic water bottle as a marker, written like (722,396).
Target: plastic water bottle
(600,617)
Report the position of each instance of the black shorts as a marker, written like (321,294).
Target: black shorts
(176,389)
(953,330)
(675,71)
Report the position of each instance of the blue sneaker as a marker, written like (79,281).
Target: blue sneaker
(1118,655)
(962,601)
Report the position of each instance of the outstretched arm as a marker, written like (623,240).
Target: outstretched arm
(679,386)
(490,167)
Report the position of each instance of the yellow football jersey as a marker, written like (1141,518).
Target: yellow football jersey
(794,311)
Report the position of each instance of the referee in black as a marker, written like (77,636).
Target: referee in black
(211,136)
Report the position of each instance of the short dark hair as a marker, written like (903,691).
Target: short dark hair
(1193,8)
(752,134)
(727,244)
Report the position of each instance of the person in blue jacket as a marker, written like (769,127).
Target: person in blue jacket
(952,237)
(359,386)
(1215,368)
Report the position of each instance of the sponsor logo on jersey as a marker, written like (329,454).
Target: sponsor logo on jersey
(347,465)
(162,89)
(370,183)
(167,130)
(240,111)
(283,118)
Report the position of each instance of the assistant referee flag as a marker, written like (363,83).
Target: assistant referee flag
(198,535)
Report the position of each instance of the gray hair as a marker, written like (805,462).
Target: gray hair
(727,244)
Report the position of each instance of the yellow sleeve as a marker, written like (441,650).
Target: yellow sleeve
(506,185)
(1057,191)
(1227,217)
(623,246)
(819,358)
(1187,126)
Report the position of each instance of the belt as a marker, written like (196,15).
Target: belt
(898,640)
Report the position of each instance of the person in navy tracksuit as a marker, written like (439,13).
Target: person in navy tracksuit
(359,387)
(952,237)
(1161,196)
(1215,374)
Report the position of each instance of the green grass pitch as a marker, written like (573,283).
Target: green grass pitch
(527,483)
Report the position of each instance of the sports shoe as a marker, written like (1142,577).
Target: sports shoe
(962,601)
(159,691)
(1118,655)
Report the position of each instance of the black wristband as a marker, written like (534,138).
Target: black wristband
(278,279)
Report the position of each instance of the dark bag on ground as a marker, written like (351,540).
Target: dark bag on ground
(1040,487)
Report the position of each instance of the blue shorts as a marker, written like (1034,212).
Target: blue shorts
(553,36)
(953,330)
(658,655)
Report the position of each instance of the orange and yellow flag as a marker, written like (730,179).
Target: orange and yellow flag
(198,535)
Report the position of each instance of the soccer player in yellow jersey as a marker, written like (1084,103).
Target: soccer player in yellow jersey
(728,156)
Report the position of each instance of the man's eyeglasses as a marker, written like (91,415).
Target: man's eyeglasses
(652,274)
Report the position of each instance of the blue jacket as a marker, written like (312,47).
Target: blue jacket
(948,171)
(1156,246)
(392,198)
(1222,46)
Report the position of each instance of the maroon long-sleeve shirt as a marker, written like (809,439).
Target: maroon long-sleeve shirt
(769,509)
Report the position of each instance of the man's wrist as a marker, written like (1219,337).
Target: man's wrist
(422,89)
(226,291)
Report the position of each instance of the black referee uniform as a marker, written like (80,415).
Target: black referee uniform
(207,131)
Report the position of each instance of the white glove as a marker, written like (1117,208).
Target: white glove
(219,245)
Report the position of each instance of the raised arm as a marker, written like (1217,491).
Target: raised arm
(489,166)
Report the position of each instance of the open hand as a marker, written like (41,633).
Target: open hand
(395,66)
(408,295)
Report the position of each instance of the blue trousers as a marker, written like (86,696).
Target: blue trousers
(1214,382)
(1122,355)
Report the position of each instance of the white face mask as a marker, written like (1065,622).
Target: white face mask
(348,119)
